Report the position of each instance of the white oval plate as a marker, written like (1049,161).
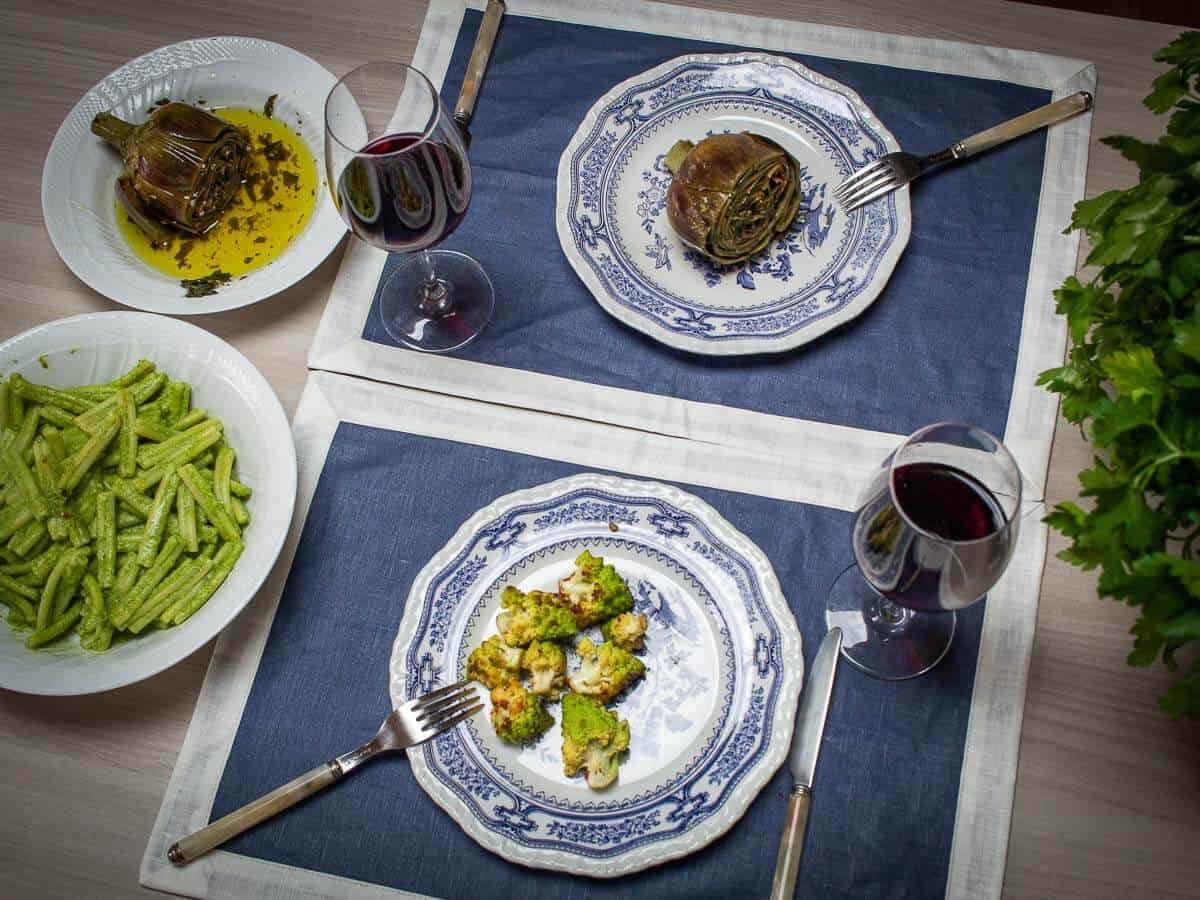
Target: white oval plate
(99,347)
(710,722)
(611,209)
(80,170)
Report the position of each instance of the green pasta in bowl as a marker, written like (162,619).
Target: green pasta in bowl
(120,511)
(147,484)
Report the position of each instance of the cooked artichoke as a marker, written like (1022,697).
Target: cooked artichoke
(183,167)
(732,194)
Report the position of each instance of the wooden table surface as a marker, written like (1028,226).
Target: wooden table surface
(1108,792)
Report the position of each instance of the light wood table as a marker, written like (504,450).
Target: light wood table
(1108,793)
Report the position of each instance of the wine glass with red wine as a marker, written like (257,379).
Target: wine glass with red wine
(934,531)
(400,177)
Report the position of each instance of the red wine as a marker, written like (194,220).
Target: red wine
(946,561)
(946,501)
(403,193)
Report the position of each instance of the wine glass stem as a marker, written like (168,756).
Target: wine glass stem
(435,297)
(889,619)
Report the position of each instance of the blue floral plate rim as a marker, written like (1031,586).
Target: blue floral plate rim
(604,834)
(600,254)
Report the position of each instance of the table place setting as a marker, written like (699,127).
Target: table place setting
(467,499)
(565,135)
(668,478)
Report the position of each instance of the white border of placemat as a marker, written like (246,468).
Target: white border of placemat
(993,732)
(339,346)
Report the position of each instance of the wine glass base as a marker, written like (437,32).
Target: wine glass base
(468,302)
(881,638)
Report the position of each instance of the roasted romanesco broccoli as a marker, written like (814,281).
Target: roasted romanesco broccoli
(517,715)
(535,616)
(546,665)
(604,671)
(493,662)
(530,623)
(594,591)
(627,630)
(593,738)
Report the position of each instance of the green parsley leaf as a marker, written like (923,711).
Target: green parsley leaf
(1131,380)
(1134,373)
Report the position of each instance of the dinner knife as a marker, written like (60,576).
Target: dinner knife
(802,759)
(476,66)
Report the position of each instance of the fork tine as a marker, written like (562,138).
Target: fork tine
(874,195)
(435,709)
(866,185)
(854,199)
(862,172)
(866,171)
(425,699)
(446,724)
(444,714)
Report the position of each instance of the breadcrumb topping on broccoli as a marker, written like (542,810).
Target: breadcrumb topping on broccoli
(593,739)
(627,630)
(517,715)
(594,591)
(536,616)
(493,662)
(604,670)
(546,665)
(525,666)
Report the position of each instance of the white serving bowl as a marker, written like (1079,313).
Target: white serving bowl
(98,347)
(78,200)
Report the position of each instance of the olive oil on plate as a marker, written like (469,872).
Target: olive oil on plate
(276,201)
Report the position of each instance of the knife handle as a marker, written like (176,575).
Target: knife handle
(791,845)
(477,64)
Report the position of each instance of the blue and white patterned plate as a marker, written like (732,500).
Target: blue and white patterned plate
(613,226)
(710,722)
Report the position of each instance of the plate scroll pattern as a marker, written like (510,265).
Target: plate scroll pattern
(539,821)
(614,231)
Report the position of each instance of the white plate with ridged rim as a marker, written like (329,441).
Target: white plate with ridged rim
(710,722)
(80,169)
(98,347)
(611,206)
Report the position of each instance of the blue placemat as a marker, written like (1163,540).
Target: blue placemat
(940,342)
(883,813)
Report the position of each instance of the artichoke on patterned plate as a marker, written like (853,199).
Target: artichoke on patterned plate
(732,194)
(182,167)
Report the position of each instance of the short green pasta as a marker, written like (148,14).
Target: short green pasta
(121,512)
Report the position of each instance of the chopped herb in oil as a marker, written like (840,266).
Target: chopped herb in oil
(206,286)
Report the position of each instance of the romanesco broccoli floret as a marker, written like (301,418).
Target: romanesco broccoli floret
(493,662)
(594,591)
(627,631)
(604,671)
(517,715)
(546,665)
(593,739)
(535,616)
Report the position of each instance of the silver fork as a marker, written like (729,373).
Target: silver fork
(894,170)
(408,725)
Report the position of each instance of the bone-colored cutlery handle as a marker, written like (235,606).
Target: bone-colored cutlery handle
(477,65)
(791,845)
(200,842)
(1079,102)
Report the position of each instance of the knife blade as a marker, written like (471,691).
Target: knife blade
(802,760)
